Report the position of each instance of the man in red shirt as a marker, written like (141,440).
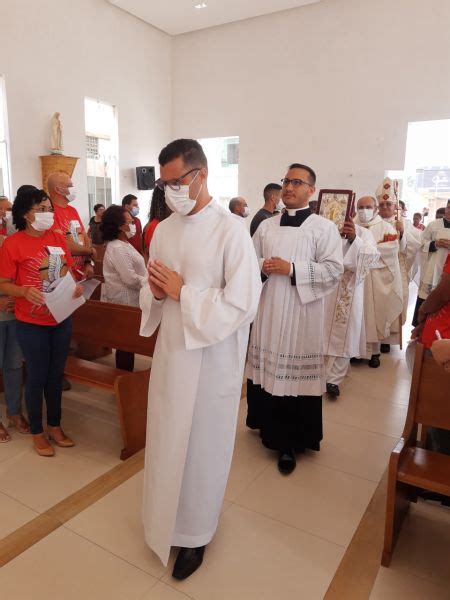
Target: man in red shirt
(131,203)
(68,222)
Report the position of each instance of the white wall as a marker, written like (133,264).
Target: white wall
(332,85)
(53,53)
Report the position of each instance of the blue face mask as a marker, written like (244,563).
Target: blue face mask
(135,211)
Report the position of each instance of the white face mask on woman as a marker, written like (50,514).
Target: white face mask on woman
(132,230)
(43,221)
(179,200)
(246,212)
(365,214)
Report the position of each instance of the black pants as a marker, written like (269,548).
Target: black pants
(124,360)
(45,349)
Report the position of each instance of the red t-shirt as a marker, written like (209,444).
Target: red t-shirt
(439,321)
(149,231)
(68,221)
(34,262)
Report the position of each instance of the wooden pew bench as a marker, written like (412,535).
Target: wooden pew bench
(410,467)
(115,326)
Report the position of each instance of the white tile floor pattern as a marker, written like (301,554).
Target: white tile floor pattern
(279,537)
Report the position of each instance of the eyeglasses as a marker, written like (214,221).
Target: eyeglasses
(295,182)
(174,184)
(42,209)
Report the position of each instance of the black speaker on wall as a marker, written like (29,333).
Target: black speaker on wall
(145,177)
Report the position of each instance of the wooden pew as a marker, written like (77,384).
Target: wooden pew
(115,326)
(411,467)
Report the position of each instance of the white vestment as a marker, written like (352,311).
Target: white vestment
(345,334)
(197,372)
(383,294)
(286,346)
(432,262)
(409,246)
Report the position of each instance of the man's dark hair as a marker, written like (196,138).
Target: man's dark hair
(189,150)
(128,199)
(402,204)
(158,208)
(26,198)
(112,219)
(440,213)
(417,214)
(97,206)
(271,187)
(312,175)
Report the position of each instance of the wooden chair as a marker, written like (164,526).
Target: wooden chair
(115,326)
(411,467)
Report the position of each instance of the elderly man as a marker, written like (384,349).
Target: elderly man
(409,243)
(68,222)
(6,225)
(238,206)
(383,295)
(345,334)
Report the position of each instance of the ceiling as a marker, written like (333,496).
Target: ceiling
(181,16)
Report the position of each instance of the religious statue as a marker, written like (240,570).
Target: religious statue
(56,145)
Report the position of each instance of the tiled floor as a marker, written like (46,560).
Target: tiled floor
(279,538)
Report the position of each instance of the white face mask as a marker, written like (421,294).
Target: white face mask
(246,212)
(280,206)
(132,231)
(365,214)
(10,227)
(71,196)
(42,221)
(179,200)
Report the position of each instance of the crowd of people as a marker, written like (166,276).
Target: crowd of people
(317,298)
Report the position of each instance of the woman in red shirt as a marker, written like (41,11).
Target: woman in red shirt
(32,261)
(158,212)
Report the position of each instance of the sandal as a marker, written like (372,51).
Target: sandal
(59,437)
(20,423)
(4,435)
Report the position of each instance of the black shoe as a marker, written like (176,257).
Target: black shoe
(286,462)
(188,561)
(356,361)
(374,362)
(333,390)
(66,385)
(385,348)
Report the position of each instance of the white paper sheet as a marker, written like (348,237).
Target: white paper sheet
(60,302)
(89,286)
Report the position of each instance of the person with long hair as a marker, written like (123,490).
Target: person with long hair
(158,212)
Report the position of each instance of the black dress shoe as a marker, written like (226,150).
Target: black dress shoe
(374,362)
(188,561)
(356,361)
(66,386)
(286,462)
(333,390)
(385,348)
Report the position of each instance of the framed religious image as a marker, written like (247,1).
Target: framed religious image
(336,205)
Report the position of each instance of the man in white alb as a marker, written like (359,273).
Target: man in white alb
(300,256)
(203,292)
(383,294)
(345,333)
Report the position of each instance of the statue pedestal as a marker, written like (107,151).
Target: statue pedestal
(56,162)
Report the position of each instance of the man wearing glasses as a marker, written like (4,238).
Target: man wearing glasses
(203,292)
(300,255)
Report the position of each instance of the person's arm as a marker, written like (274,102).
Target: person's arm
(123,264)
(438,298)
(441,353)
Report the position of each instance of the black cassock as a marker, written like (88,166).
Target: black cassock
(286,422)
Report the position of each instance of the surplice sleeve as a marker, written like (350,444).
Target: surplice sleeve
(317,278)
(212,314)
(152,309)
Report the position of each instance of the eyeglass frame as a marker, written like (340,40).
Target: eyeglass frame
(286,181)
(174,184)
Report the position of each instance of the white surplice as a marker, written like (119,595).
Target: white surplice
(286,346)
(432,262)
(197,373)
(409,246)
(345,334)
(383,294)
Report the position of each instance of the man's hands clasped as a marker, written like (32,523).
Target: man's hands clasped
(163,281)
